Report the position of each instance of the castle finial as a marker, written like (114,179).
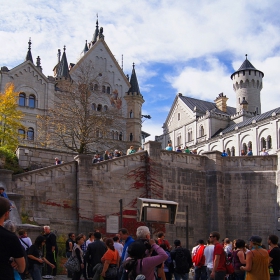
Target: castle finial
(246,55)
(96,19)
(29,44)
(133,65)
(64,48)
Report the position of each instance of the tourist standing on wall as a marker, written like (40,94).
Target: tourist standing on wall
(51,250)
(169,147)
(264,152)
(11,253)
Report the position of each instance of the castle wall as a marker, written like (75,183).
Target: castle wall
(237,196)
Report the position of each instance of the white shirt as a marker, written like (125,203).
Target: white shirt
(119,247)
(27,240)
(208,253)
(88,242)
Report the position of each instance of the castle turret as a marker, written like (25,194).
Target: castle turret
(29,54)
(134,101)
(247,83)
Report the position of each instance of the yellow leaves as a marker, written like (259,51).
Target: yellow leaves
(10,117)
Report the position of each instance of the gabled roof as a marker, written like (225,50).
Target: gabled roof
(101,41)
(203,106)
(249,121)
(26,63)
(134,82)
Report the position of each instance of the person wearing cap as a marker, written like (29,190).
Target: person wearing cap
(274,257)
(219,256)
(257,261)
(11,253)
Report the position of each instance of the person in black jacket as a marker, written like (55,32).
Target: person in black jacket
(182,260)
(95,252)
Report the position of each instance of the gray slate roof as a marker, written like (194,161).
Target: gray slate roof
(63,70)
(203,106)
(134,82)
(257,118)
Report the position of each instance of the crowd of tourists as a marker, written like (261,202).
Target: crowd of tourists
(125,258)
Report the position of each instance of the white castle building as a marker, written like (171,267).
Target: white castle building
(209,126)
(37,91)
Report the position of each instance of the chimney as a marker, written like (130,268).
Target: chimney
(221,102)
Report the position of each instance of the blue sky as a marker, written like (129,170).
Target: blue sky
(190,46)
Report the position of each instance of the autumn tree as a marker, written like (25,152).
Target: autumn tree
(10,118)
(83,114)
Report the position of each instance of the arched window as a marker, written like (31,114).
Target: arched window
(21,133)
(120,136)
(21,100)
(250,145)
(30,133)
(108,90)
(112,134)
(263,143)
(93,106)
(201,131)
(131,114)
(269,144)
(245,148)
(105,108)
(99,107)
(103,89)
(228,152)
(232,151)
(116,135)
(95,87)
(31,101)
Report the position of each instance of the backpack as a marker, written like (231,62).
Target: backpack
(129,272)
(181,265)
(199,259)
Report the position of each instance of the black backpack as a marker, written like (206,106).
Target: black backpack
(181,265)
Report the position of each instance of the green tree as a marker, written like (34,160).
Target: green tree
(10,118)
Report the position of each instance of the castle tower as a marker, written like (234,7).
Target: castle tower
(247,83)
(134,101)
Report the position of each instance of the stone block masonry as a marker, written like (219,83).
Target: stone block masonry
(237,196)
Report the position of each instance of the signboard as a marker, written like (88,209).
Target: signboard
(160,215)
(112,224)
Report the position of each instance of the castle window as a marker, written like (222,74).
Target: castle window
(30,133)
(108,90)
(31,101)
(90,86)
(103,89)
(257,110)
(99,107)
(249,72)
(179,116)
(179,140)
(105,108)
(263,143)
(120,136)
(21,133)
(243,73)
(116,135)
(93,106)
(255,73)
(232,151)
(190,136)
(245,148)
(228,152)
(96,87)
(269,144)
(201,131)
(112,134)
(21,100)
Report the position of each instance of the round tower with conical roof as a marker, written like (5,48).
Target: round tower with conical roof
(247,84)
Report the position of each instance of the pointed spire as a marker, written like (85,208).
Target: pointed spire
(96,32)
(85,50)
(134,89)
(29,55)
(63,71)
